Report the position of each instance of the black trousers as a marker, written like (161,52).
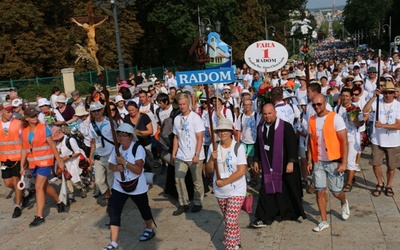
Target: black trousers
(117,202)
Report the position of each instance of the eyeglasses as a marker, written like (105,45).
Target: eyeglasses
(317,104)
(152,89)
(123,135)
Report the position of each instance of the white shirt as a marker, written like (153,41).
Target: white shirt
(310,110)
(248,127)
(186,128)
(370,87)
(45,119)
(301,95)
(105,129)
(163,114)
(72,164)
(84,128)
(127,154)
(227,165)
(338,124)
(122,112)
(388,114)
(285,112)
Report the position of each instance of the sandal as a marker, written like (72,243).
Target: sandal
(389,192)
(347,188)
(378,190)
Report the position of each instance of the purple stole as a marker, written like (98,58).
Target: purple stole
(272,174)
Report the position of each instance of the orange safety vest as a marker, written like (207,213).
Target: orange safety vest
(332,142)
(38,152)
(10,144)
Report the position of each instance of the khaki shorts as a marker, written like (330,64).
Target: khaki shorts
(391,155)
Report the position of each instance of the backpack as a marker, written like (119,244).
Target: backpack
(166,135)
(83,161)
(232,108)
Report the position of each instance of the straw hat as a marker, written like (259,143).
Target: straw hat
(389,87)
(80,111)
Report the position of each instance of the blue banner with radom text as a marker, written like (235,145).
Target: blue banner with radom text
(206,76)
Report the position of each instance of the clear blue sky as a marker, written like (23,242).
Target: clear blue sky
(323,3)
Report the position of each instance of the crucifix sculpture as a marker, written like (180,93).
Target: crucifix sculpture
(89,24)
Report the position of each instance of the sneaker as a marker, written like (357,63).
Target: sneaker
(17,212)
(321,226)
(258,224)
(37,221)
(196,208)
(345,210)
(110,247)
(83,193)
(26,199)
(180,210)
(147,235)
(61,207)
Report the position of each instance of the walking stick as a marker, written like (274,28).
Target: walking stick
(378,85)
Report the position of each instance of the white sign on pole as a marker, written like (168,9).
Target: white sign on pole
(266,55)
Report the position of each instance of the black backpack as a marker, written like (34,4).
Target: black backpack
(83,161)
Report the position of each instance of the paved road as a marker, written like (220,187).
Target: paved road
(374,224)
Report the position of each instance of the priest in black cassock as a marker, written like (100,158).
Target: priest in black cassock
(276,152)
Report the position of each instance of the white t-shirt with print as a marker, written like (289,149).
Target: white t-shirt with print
(186,128)
(248,127)
(164,114)
(388,114)
(338,124)
(127,154)
(227,165)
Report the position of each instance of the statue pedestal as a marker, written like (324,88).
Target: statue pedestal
(69,81)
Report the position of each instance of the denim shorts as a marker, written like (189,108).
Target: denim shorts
(327,171)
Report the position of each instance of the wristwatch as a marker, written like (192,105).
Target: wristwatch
(196,154)
(125,164)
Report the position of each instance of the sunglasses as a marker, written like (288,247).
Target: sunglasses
(284,74)
(317,104)
(156,83)
(227,92)
(96,111)
(358,85)
(203,102)
(113,109)
(356,94)
(388,93)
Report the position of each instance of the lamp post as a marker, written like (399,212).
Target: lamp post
(115,6)
(389,26)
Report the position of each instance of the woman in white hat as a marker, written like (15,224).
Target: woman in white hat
(66,111)
(230,189)
(131,164)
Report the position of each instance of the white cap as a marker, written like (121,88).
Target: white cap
(96,106)
(118,98)
(61,98)
(43,102)
(16,102)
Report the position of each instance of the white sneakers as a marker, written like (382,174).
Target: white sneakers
(321,226)
(345,210)
(324,224)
